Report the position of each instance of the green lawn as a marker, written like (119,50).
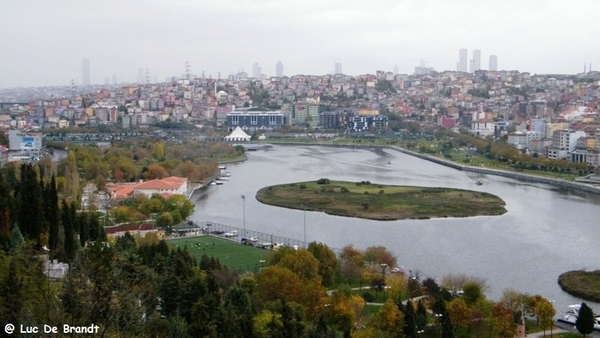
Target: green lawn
(232,254)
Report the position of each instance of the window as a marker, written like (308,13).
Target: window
(235,120)
(253,120)
(272,120)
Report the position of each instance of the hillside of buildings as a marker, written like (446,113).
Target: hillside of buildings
(547,116)
(141,287)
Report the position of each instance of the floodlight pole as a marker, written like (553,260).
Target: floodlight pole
(244,212)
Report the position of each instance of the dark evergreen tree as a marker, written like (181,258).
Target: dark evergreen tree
(95,229)
(585,320)
(52,214)
(421,315)
(83,226)
(68,225)
(30,205)
(410,323)
(11,295)
(447,327)
(5,207)
(125,245)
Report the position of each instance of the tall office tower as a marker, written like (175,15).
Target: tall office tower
(256,71)
(85,72)
(338,68)
(475,63)
(493,62)
(115,79)
(279,69)
(396,70)
(461,66)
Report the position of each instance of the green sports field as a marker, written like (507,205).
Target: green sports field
(232,254)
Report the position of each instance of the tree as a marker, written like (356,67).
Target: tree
(472,293)
(52,214)
(545,312)
(279,283)
(389,320)
(410,321)
(585,320)
(503,321)
(327,261)
(376,255)
(351,263)
(11,295)
(301,262)
(459,312)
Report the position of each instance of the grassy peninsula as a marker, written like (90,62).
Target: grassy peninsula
(381,202)
(582,284)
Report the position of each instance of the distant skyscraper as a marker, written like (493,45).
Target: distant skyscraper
(115,79)
(85,72)
(279,69)
(475,63)
(256,71)
(461,66)
(338,68)
(396,70)
(493,62)
(423,69)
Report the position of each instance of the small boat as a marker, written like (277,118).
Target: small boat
(225,174)
(218,182)
(232,233)
(478,183)
(223,178)
(222,167)
(572,314)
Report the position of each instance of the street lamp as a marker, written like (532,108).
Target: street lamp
(244,212)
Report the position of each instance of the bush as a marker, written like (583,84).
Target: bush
(381,192)
(344,189)
(323,181)
(302,186)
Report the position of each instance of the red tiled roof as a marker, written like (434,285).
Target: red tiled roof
(165,183)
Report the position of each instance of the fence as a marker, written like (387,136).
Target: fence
(240,235)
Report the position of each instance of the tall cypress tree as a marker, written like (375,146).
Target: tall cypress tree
(585,320)
(11,289)
(5,206)
(30,205)
(67,222)
(410,323)
(52,214)
(421,318)
(83,226)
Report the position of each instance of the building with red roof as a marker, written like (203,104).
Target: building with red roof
(166,187)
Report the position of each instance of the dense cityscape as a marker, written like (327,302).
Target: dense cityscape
(135,154)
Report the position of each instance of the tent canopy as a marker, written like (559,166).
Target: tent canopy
(238,135)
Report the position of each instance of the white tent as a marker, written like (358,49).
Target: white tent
(238,135)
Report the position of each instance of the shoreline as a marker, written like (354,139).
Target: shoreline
(518,176)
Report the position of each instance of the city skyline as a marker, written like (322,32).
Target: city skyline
(161,36)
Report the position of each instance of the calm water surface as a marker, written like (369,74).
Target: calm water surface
(545,232)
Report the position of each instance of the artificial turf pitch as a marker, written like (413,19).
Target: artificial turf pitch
(231,254)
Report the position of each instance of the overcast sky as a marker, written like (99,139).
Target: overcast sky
(43,42)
